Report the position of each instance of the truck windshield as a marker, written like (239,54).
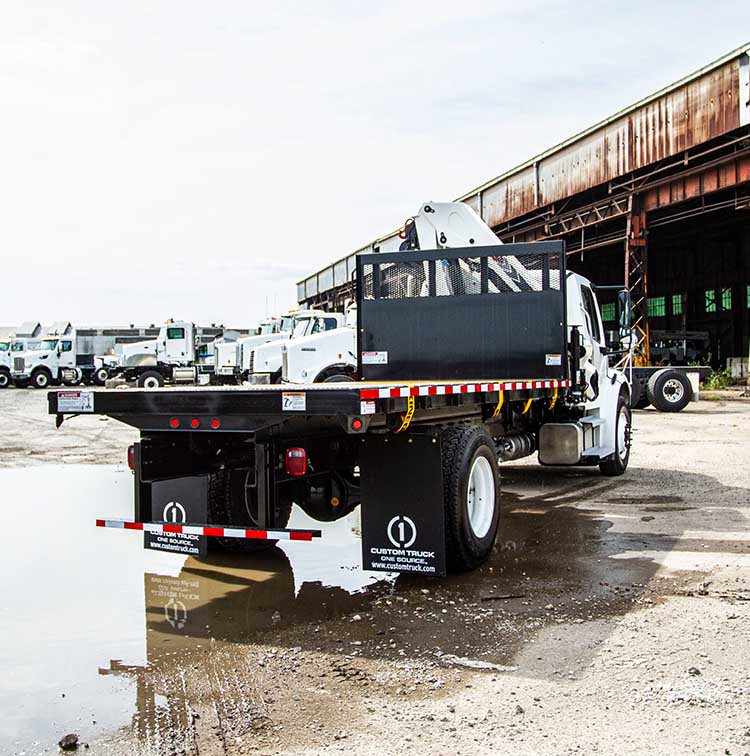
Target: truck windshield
(302,327)
(287,325)
(48,345)
(266,329)
(4,346)
(17,346)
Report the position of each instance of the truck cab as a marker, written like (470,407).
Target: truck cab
(326,357)
(265,365)
(53,361)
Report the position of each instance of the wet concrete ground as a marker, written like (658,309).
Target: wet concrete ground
(579,635)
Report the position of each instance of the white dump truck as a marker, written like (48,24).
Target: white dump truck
(170,358)
(327,357)
(57,359)
(265,361)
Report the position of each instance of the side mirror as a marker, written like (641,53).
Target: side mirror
(624,309)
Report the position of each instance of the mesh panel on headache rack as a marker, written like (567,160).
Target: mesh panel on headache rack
(395,280)
(505,274)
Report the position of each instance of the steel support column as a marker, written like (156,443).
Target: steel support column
(636,276)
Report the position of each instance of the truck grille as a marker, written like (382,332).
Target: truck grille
(251,361)
(18,364)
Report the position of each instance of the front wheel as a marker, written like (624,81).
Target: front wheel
(618,462)
(40,378)
(471,495)
(4,379)
(100,376)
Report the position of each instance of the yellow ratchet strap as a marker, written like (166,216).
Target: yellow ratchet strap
(554,399)
(527,406)
(499,406)
(406,419)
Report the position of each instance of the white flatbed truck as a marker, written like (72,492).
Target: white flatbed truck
(469,355)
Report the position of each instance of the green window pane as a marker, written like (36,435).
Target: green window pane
(748,296)
(676,304)
(608,312)
(710,300)
(726,299)
(656,307)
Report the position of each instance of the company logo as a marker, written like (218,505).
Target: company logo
(174,512)
(175,612)
(402,532)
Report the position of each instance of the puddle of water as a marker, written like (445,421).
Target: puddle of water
(73,600)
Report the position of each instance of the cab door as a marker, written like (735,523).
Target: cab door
(66,355)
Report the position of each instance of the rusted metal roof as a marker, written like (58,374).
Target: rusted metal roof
(706,104)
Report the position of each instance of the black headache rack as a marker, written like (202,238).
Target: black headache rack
(485,312)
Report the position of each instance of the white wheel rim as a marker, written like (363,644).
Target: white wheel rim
(622,433)
(480,497)
(673,390)
(151,383)
(4,381)
(41,380)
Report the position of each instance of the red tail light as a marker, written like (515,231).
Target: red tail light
(215,423)
(131,457)
(174,423)
(195,423)
(295,461)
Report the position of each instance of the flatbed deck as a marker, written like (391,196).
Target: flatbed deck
(153,409)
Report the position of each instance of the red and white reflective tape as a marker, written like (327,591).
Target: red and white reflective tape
(211,530)
(441,389)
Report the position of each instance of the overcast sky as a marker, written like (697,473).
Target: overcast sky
(195,159)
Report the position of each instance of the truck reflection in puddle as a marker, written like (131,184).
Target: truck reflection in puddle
(199,629)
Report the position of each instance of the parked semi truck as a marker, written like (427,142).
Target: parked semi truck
(57,359)
(327,357)
(505,361)
(170,358)
(265,361)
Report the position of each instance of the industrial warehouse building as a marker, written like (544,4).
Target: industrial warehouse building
(656,196)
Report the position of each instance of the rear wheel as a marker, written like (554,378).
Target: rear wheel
(151,379)
(669,390)
(471,495)
(232,501)
(100,376)
(618,462)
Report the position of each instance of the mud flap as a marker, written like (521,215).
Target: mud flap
(177,501)
(403,522)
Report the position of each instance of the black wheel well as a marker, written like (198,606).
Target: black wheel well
(337,369)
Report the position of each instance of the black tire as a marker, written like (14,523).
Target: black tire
(231,502)
(460,449)
(41,378)
(147,379)
(4,379)
(336,378)
(669,390)
(618,462)
(100,376)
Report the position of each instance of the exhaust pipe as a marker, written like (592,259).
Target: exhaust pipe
(515,446)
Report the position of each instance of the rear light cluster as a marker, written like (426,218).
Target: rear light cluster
(295,461)
(194,423)
(131,457)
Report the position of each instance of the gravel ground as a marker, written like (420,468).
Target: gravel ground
(613,618)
